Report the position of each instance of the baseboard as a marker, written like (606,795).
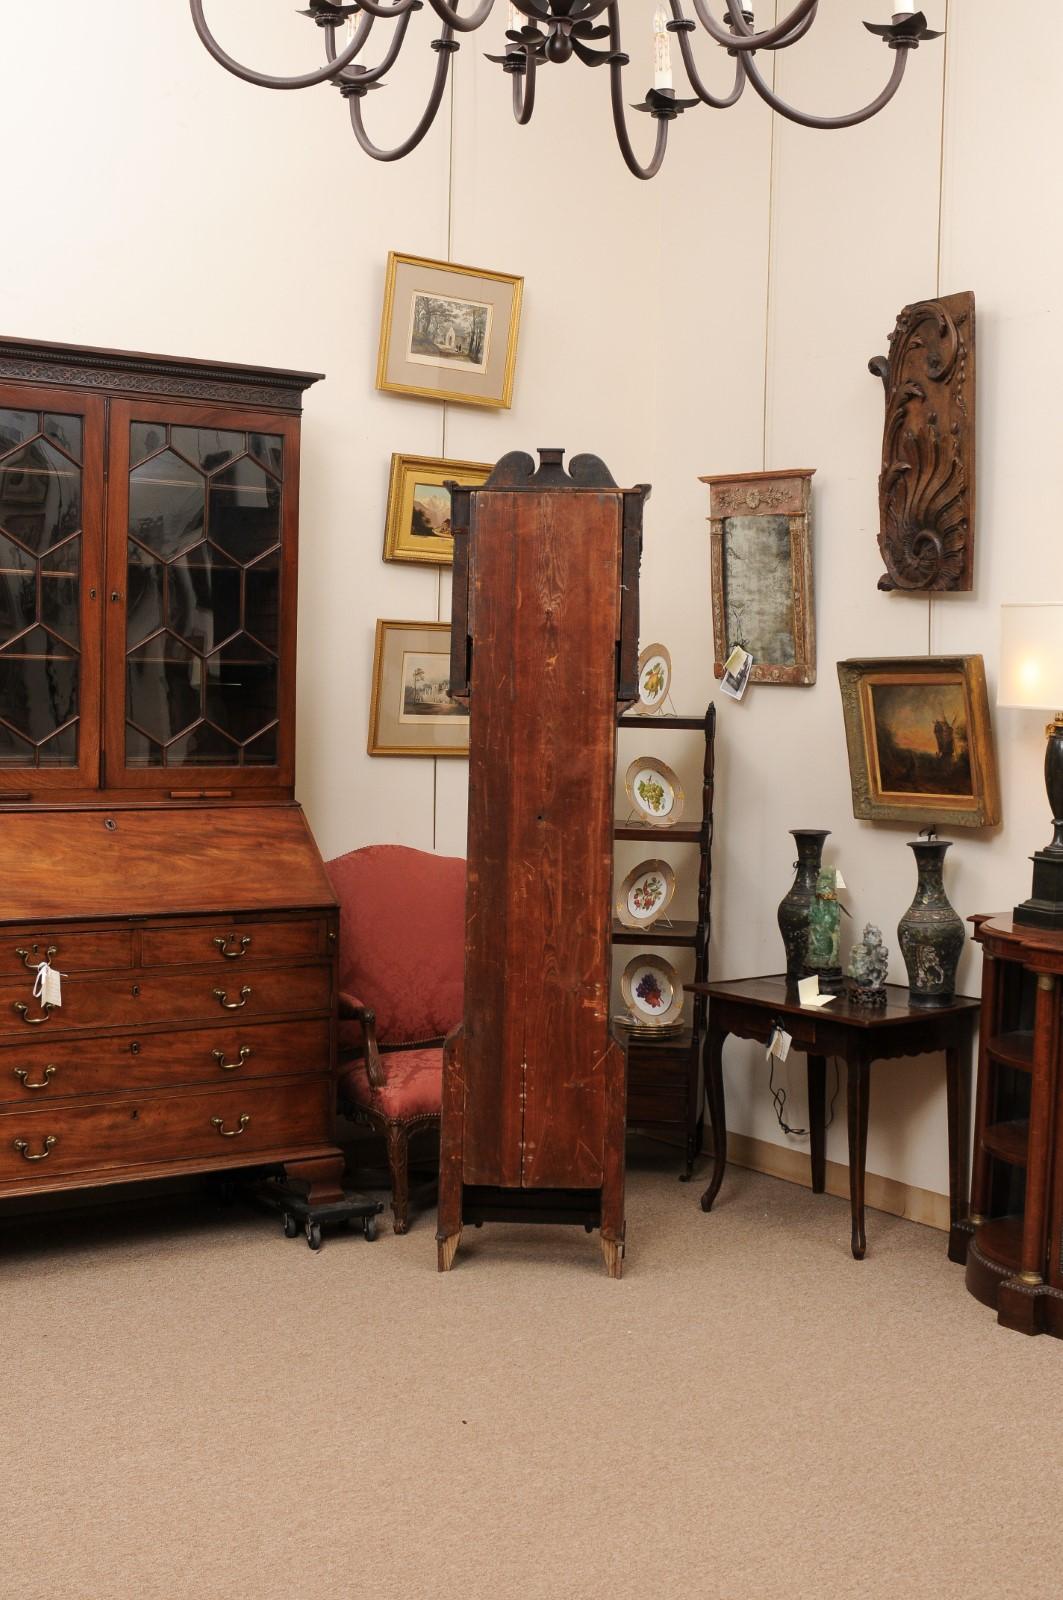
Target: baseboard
(883,1194)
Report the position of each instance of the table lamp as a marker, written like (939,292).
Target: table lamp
(1031,676)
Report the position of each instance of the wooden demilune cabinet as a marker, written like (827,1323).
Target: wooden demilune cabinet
(150,847)
(1015,1255)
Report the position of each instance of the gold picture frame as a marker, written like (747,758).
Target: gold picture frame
(418,523)
(761,557)
(449,332)
(409,713)
(920,741)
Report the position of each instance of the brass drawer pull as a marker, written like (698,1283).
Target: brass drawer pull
(32,957)
(230,1133)
(23,1148)
(222,997)
(233,955)
(23,1076)
(33,1022)
(231,1066)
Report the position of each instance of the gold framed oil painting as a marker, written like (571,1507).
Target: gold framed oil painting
(919,739)
(418,520)
(411,712)
(761,555)
(449,332)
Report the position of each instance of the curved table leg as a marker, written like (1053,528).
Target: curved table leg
(859,1100)
(717,1114)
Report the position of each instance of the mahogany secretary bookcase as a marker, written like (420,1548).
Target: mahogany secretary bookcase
(151,850)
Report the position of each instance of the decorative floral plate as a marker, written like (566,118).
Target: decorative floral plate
(645,894)
(655,679)
(654,791)
(652,991)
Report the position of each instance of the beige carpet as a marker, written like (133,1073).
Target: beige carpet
(194,1406)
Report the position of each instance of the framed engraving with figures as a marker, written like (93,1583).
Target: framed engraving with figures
(762,595)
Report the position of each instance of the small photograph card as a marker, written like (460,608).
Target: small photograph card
(736,670)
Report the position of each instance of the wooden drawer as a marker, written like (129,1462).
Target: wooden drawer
(146,997)
(40,1073)
(233,944)
(69,952)
(39,1145)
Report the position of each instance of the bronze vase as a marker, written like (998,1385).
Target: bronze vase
(930,933)
(795,906)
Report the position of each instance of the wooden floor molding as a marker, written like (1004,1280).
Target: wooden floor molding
(883,1194)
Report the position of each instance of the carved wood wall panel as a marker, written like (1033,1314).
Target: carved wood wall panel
(927,482)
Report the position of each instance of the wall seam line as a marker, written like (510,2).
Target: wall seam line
(769,275)
(443,424)
(940,238)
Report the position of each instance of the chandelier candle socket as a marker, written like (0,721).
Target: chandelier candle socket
(553,32)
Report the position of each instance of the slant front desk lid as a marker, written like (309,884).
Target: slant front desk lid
(154,862)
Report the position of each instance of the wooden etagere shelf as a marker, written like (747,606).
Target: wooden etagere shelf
(1015,1254)
(665,1093)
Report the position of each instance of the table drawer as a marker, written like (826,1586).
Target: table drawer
(142,997)
(69,952)
(227,1053)
(233,944)
(39,1145)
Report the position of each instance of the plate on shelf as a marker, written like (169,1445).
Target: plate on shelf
(655,679)
(652,991)
(635,1030)
(654,791)
(645,894)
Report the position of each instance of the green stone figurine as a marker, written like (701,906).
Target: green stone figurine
(868,966)
(824,932)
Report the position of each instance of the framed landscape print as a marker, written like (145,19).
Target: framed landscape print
(449,332)
(418,521)
(919,738)
(411,713)
(762,598)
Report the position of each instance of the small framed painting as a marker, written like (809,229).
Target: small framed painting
(418,521)
(449,332)
(411,713)
(919,739)
(762,598)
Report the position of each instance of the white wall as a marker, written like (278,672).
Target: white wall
(717,319)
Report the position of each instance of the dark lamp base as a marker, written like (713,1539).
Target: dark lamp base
(1044,908)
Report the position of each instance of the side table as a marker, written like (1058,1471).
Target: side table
(750,1008)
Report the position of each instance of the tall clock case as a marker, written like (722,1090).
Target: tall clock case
(150,844)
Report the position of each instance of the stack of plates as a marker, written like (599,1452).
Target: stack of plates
(639,1030)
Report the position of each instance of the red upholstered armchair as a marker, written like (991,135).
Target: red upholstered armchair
(402,957)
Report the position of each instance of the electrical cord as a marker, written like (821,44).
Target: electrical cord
(779,1097)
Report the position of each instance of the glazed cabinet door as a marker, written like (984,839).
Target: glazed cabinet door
(51,515)
(202,515)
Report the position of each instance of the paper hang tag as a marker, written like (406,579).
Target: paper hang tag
(779,1044)
(839,881)
(48,987)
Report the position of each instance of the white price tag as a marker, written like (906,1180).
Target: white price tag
(809,995)
(779,1043)
(839,881)
(48,987)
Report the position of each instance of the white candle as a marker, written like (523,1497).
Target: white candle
(662,50)
(905,8)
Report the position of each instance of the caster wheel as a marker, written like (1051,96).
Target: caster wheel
(369,1228)
(291,1227)
(313,1235)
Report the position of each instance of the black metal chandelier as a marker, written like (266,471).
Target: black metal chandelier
(551,32)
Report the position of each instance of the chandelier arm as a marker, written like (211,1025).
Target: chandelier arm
(806,120)
(374,74)
(263,80)
(373,8)
(616,95)
(434,99)
(742,37)
(717,102)
(469,24)
(798,33)
(524,93)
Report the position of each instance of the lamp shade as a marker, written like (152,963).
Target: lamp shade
(1031,657)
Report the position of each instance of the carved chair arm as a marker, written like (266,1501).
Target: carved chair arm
(352,1010)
